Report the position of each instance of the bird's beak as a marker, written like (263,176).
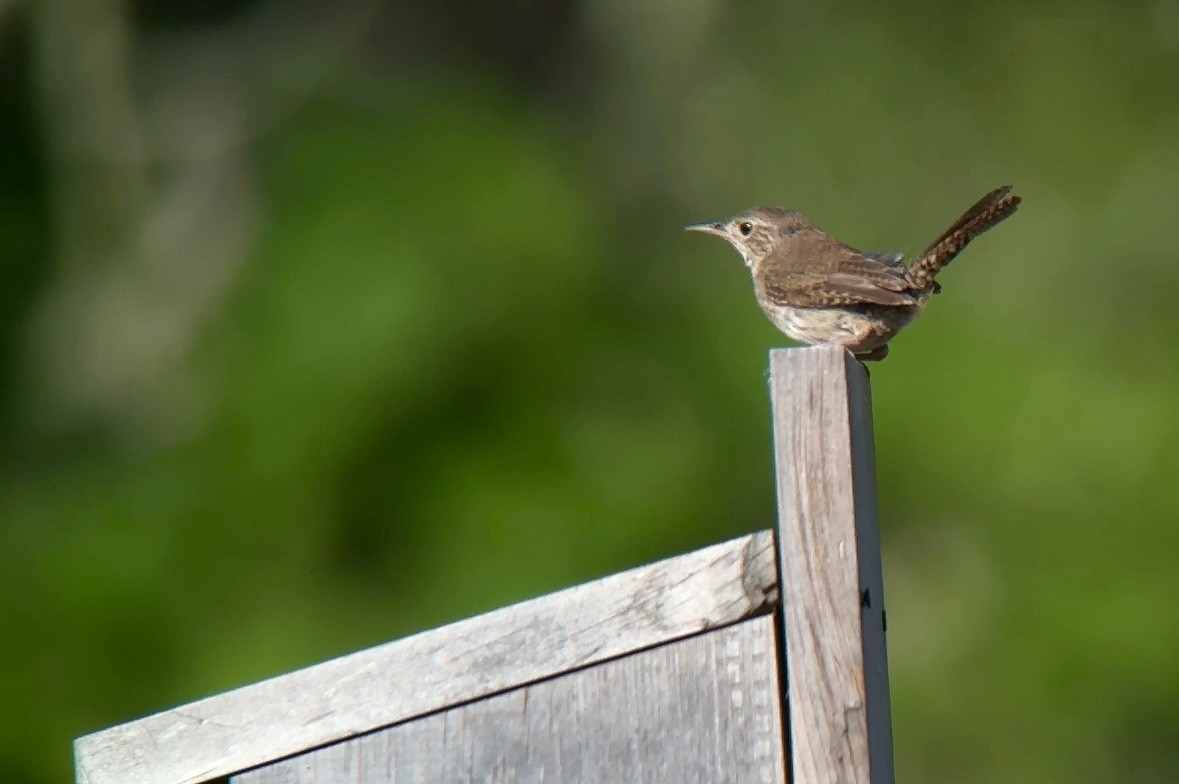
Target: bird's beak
(717,228)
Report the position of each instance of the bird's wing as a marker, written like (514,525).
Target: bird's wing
(893,258)
(856,280)
(896,260)
(818,271)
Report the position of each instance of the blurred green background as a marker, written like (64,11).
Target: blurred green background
(322,323)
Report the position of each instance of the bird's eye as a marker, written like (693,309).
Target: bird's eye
(746,228)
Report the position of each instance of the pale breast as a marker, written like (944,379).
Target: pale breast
(860,329)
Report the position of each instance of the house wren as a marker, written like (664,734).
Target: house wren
(817,289)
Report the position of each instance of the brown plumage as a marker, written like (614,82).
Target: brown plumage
(817,289)
(985,213)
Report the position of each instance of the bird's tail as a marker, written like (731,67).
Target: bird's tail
(985,213)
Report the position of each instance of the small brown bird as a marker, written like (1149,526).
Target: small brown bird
(817,289)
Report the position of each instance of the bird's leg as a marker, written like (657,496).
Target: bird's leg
(875,355)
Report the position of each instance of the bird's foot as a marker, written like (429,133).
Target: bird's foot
(875,355)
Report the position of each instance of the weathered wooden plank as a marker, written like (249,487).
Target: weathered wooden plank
(833,595)
(703,710)
(467,660)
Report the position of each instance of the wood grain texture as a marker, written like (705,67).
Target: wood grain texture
(703,710)
(437,669)
(833,594)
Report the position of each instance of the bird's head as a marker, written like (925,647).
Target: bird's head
(756,232)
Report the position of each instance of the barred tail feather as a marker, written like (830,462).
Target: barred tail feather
(988,211)
(975,210)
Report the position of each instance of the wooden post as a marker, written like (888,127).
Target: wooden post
(832,591)
(668,667)
(668,672)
